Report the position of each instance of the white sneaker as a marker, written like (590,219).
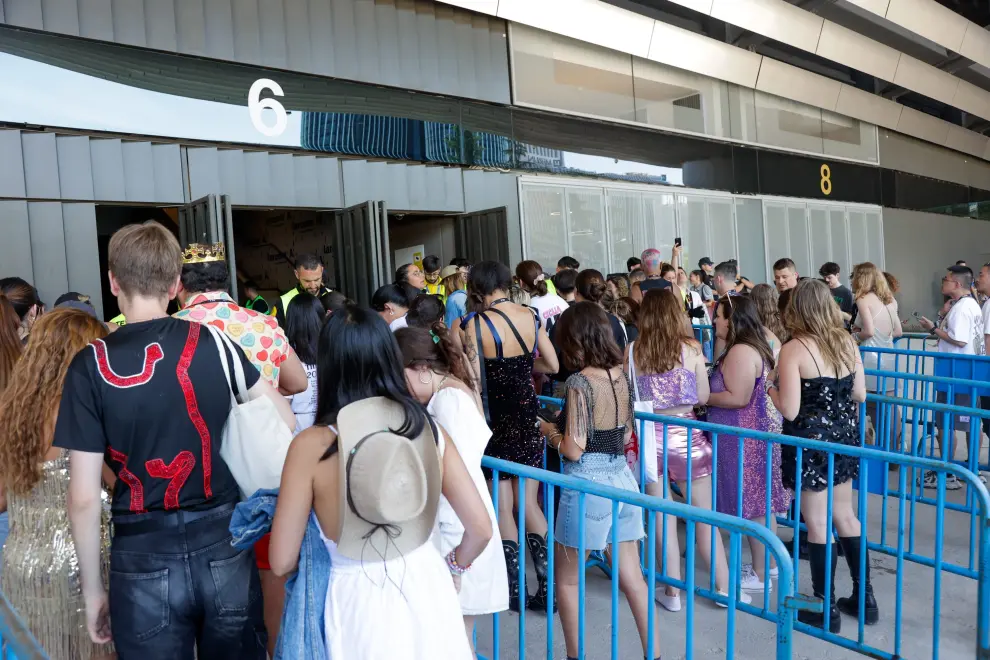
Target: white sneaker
(952,482)
(751,581)
(930,480)
(669,603)
(749,567)
(743,598)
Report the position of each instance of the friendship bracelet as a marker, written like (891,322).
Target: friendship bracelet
(452,564)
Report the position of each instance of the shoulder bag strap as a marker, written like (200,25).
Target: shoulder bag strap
(221,349)
(242,395)
(632,370)
(481,366)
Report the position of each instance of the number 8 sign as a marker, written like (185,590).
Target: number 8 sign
(256,104)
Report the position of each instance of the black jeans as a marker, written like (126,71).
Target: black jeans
(184,588)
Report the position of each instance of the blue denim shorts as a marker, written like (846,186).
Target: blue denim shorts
(607,471)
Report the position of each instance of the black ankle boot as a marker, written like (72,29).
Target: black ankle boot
(537,546)
(511,551)
(851,545)
(817,557)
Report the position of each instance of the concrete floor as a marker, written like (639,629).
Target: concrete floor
(755,638)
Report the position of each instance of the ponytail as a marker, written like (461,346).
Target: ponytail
(10,342)
(433,348)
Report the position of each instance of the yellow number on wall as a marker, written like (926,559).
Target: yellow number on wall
(826,179)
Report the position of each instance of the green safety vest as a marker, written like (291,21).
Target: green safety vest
(119,320)
(437,290)
(287,297)
(550,287)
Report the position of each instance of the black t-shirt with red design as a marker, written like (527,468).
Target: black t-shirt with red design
(152,397)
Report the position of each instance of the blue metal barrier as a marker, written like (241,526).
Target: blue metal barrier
(705,334)
(16,641)
(905,550)
(786,603)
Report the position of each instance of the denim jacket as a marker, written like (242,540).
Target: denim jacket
(301,634)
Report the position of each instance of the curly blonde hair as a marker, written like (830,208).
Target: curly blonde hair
(29,405)
(867,278)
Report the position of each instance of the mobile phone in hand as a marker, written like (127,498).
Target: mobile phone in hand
(677,242)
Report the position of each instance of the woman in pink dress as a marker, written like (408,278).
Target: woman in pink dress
(739,398)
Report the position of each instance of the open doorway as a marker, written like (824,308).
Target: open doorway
(111,218)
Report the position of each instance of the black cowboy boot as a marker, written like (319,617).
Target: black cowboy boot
(538,551)
(511,551)
(818,555)
(851,545)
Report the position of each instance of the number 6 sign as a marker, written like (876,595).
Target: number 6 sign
(256,104)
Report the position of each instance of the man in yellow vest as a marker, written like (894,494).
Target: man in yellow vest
(431,271)
(309,274)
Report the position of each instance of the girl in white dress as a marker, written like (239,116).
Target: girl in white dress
(371,471)
(438,378)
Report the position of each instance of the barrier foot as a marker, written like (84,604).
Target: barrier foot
(805,603)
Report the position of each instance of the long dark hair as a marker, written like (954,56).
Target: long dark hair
(745,327)
(585,338)
(359,359)
(303,321)
(531,278)
(17,297)
(434,349)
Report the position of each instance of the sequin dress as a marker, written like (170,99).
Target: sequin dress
(683,447)
(827,413)
(759,415)
(511,403)
(40,568)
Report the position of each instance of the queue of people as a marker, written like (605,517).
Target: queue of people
(380,539)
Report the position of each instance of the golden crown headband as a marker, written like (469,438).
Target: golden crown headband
(197,253)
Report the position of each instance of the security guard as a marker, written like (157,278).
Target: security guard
(255,300)
(309,273)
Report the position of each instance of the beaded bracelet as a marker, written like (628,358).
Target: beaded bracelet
(454,567)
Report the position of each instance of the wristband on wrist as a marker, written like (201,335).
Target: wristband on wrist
(452,564)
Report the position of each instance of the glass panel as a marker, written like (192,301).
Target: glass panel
(874,235)
(625,217)
(557,72)
(788,124)
(849,138)
(840,244)
(742,113)
(693,228)
(797,234)
(821,247)
(586,228)
(858,250)
(749,228)
(659,223)
(674,98)
(543,222)
(723,232)
(776,231)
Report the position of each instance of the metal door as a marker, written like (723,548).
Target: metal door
(210,220)
(483,236)
(361,257)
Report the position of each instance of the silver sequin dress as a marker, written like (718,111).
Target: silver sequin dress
(40,568)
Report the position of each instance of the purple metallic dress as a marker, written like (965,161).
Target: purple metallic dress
(760,415)
(675,388)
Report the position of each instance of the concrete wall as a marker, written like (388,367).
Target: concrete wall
(918,248)
(414,44)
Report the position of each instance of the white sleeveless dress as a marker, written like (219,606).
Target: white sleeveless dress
(403,608)
(880,361)
(484,588)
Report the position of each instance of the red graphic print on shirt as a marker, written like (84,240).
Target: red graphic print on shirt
(152,355)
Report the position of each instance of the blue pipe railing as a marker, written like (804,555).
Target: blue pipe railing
(869,458)
(786,603)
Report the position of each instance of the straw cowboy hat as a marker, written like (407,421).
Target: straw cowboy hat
(391,483)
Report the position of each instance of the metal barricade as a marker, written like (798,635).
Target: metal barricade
(782,617)
(902,499)
(705,334)
(16,641)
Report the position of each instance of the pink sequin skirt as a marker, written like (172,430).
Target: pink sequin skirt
(682,443)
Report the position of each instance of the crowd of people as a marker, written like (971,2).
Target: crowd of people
(380,538)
